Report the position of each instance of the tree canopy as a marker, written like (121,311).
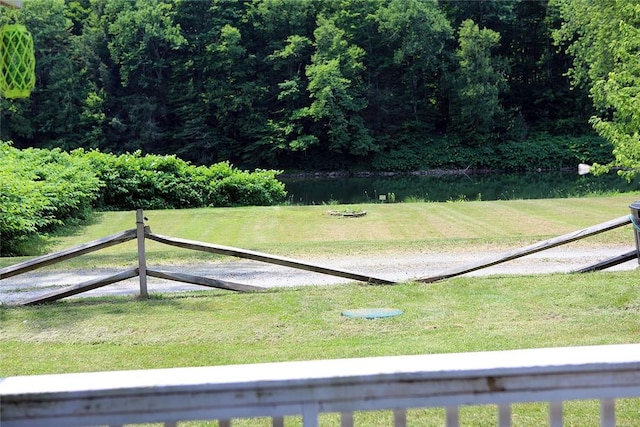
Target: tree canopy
(603,37)
(318,84)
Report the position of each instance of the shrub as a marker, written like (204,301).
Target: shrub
(538,151)
(134,181)
(232,187)
(41,189)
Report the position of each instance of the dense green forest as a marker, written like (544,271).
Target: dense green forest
(306,84)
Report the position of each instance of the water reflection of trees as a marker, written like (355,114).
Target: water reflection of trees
(556,184)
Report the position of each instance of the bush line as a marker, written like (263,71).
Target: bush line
(43,190)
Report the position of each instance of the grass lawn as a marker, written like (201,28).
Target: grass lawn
(456,315)
(217,327)
(308,231)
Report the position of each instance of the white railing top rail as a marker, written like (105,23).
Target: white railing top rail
(312,387)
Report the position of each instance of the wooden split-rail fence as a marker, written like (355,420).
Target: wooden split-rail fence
(143,232)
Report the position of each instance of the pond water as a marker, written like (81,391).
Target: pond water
(537,185)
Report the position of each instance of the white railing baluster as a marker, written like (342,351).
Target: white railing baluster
(555,414)
(346,419)
(504,415)
(400,417)
(310,415)
(453,416)
(607,413)
(342,386)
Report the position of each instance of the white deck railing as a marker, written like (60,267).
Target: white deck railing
(344,386)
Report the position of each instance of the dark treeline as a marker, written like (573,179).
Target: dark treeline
(305,84)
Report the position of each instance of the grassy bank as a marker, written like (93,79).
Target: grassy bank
(216,327)
(308,231)
(458,315)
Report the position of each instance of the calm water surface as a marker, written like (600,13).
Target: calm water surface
(540,185)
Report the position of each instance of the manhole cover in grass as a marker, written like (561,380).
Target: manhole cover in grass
(372,313)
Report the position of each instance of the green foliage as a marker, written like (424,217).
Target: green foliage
(134,181)
(477,83)
(538,151)
(228,186)
(297,84)
(603,36)
(44,189)
(41,189)
(142,33)
(406,62)
(335,85)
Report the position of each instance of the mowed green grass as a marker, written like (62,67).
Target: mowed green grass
(308,231)
(221,327)
(218,327)
(459,315)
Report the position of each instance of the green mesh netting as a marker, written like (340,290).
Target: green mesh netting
(17,62)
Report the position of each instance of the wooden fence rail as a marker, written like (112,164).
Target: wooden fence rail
(52,258)
(142,232)
(81,287)
(531,249)
(202,281)
(271,259)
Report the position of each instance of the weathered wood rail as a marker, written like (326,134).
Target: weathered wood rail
(538,247)
(602,265)
(202,281)
(311,388)
(271,259)
(53,258)
(81,287)
(142,232)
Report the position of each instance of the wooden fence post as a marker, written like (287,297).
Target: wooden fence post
(142,257)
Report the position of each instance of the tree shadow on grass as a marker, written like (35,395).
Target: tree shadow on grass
(41,244)
(73,313)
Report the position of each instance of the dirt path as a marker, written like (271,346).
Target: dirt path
(398,267)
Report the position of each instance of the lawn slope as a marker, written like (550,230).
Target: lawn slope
(310,231)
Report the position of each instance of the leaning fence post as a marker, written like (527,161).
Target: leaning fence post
(142,257)
(635,220)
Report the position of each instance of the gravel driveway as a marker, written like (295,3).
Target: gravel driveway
(398,267)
